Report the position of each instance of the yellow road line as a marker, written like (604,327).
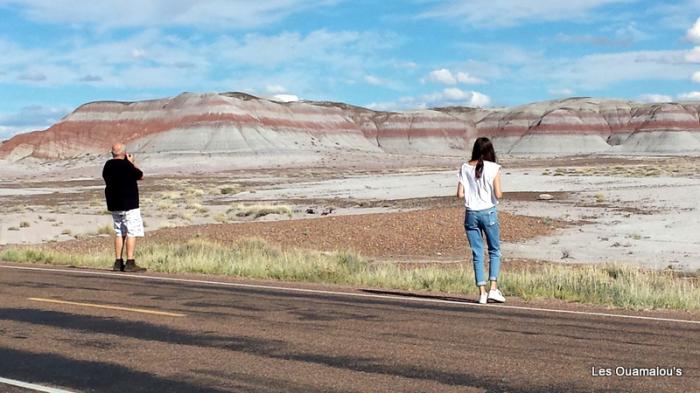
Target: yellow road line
(140,310)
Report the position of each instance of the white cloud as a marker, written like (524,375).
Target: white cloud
(206,14)
(446,77)
(310,64)
(30,118)
(450,96)
(285,97)
(693,34)
(695,77)
(598,71)
(690,96)
(383,82)
(373,80)
(655,98)
(464,77)
(443,75)
(614,37)
(343,48)
(499,13)
(563,92)
(138,54)
(32,76)
(693,55)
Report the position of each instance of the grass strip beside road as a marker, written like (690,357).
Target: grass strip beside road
(615,285)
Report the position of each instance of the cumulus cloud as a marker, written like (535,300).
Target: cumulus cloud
(696,77)
(443,76)
(451,96)
(693,34)
(284,98)
(655,98)
(446,77)
(690,96)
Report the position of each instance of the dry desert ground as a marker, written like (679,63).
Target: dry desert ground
(639,210)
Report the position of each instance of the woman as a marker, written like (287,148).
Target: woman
(480,186)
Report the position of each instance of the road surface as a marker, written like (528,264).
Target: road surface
(91,331)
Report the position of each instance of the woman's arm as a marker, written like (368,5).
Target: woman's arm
(497,186)
(460,190)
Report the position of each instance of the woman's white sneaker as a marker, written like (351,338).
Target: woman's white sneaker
(496,296)
(482,298)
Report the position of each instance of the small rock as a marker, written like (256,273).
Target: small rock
(310,211)
(545,197)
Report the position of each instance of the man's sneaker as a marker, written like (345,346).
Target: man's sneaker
(496,296)
(482,298)
(118,265)
(132,267)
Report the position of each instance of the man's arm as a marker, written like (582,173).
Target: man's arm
(137,172)
(460,190)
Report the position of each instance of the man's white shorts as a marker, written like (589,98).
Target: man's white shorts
(128,223)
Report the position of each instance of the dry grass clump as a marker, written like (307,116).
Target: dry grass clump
(106,229)
(166,205)
(617,285)
(233,189)
(256,211)
(611,285)
(221,217)
(675,169)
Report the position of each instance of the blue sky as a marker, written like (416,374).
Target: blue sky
(390,55)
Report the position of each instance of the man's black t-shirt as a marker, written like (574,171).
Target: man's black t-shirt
(121,190)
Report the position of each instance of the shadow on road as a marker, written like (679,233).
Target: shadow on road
(419,296)
(51,369)
(25,365)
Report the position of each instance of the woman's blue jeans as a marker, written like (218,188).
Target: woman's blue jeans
(486,221)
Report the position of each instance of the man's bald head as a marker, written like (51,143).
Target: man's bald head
(118,150)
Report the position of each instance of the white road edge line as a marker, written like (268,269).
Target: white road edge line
(349,294)
(32,386)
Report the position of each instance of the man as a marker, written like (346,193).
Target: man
(122,194)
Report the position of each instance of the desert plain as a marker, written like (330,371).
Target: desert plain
(576,209)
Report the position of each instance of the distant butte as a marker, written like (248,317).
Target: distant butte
(241,123)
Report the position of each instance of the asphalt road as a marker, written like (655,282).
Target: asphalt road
(223,338)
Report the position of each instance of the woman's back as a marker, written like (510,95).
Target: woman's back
(479,194)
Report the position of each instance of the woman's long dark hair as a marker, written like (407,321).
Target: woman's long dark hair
(483,150)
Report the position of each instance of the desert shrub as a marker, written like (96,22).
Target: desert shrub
(257,211)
